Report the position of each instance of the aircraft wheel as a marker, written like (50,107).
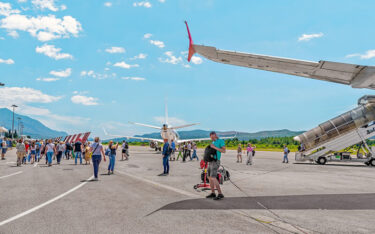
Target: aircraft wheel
(321,160)
(372,162)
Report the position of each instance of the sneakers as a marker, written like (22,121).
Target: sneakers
(212,195)
(219,196)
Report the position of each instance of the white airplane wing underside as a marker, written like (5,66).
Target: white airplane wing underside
(146,125)
(357,76)
(144,139)
(184,126)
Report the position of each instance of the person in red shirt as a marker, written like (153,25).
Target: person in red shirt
(27,150)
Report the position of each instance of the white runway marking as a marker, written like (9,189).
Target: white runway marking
(16,173)
(160,185)
(36,164)
(44,204)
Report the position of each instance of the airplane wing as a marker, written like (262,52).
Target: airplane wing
(145,139)
(146,125)
(184,126)
(357,76)
(202,139)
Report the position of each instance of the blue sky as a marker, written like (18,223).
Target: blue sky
(87,64)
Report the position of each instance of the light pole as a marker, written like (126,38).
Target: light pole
(14,106)
(18,128)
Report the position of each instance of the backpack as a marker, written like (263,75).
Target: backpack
(209,154)
(126,145)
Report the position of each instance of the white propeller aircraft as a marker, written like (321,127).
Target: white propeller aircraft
(357,76)
(167,131)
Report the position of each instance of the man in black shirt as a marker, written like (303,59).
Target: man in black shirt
(78,151)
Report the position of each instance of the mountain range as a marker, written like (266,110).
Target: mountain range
(240,135)
(32,127)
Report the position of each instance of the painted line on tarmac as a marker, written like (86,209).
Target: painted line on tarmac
(44,204)
(36,164)
(16,173)
(183,192)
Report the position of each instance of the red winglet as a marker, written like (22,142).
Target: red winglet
(191,45)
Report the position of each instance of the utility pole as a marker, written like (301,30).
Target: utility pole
(14,106)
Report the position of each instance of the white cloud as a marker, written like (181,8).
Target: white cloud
(147,35)
(133,78)
(171,120)
(84,100)
(308,37)
(13,34)
(7,61)
(139,56)
(47,4)
(162,1)
(108,4)
(52,52)
(44,28)
(171,58)
(6,9)
(114,50)
(95,75)
(196,60)
(159,44)
(22,95)
(22,0)
(63,73)
(142,4)
(48,79)
(368,55)
(125,65)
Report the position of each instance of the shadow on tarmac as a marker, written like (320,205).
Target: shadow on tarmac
(364,201)
(332,165)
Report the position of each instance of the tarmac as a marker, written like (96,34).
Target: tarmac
(266,197)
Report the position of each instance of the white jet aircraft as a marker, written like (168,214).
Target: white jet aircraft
(357,76)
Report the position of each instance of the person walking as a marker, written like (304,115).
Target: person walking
(123,150)
(33,152)
(38,146)
(4,148)
(87,153)
(97,152)
(60,150)
(166,153)
(78,152)
(112,157)
(179,152)
(249,150)
(219,146)
(286,152)
(189,150)
(68,150)
(239,153)
(195,152)
(173,146)
(50,151)
(20,151)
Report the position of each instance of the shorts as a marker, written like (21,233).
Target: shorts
(212,168)
(124,151)
(4,150)
(21,154)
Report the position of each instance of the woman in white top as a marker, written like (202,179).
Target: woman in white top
(97,152)
(50,151)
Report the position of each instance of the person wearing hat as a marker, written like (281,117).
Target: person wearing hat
(219,146)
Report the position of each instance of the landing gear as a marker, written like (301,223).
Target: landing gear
(372,162)
(321,160)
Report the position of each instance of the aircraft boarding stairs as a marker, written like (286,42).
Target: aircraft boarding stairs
(322,143)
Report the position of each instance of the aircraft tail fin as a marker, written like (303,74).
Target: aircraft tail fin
(191,44)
